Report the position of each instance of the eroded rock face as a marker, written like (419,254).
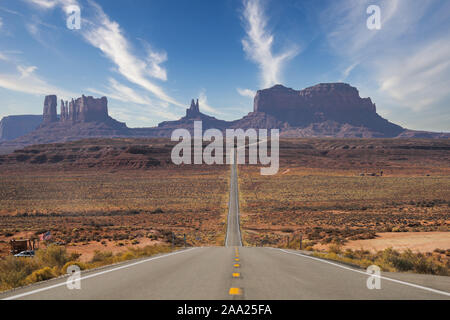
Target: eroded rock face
(50,105)
(337,102)
(324,110)
(194,110)
(85,109)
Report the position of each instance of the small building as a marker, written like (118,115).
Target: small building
(17,246)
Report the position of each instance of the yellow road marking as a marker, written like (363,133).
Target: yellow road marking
(236,259)
(236,275)
(237,265)
(235,291)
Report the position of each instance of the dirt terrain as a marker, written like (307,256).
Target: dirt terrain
(341,191)
(415,241)
(116,193)
(110,195)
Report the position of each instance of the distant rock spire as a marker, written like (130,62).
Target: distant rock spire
(194,110)
(50,105)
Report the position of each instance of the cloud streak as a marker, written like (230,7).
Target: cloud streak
(246,93)
(204,105)
(27,81)
(258,44)
(408,58)
(107,35)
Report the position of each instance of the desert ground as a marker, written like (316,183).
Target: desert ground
(358,194)
(105,195)
(112,194)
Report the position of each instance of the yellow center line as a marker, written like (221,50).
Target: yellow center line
(236,259)
(235,291)
(236,275)
(237,265)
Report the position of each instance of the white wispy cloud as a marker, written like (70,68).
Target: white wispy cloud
(121,92)
(1,22)
(50,4)
(107,35)
(419,79)
(204,105)
(154,60)
(27,81)
(408,57)
(349,69)
(246,93)
(142,104)
(258,44)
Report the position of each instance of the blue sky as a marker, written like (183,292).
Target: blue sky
(151,57)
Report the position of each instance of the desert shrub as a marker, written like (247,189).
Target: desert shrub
(14,270)
(139,150)
(22,157)
(102,256)
(81,265)
(53,256)
(45,273)
(126,256)
(39,159)
(56,158)
(335,248)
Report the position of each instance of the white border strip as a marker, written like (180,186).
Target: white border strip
(94,275)
(366,274)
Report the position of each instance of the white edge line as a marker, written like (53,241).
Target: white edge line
(94,275)
(362,272)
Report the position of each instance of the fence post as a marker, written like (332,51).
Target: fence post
(301,241)
(185,241)
(288,241)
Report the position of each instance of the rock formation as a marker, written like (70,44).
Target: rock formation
(87,109)
(324,110)
(192,114)
(13,127)
(194,110)
(50,105)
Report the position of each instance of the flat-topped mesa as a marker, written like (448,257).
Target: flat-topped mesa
(194,110)
(325,101)
(50,105)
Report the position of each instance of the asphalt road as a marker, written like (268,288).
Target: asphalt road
(233,237)
(235,272)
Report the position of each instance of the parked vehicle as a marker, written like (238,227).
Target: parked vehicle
(26,254)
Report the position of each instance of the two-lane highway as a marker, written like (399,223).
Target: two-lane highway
(233,237)
(236,272)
